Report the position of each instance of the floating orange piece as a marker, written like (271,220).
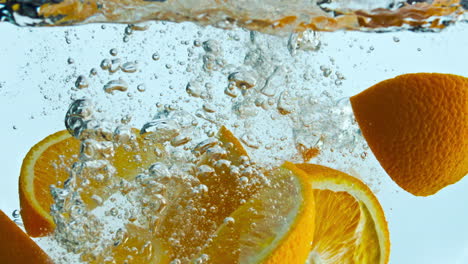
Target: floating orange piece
(417,127)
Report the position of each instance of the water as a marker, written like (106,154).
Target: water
(284,98)
(296,15)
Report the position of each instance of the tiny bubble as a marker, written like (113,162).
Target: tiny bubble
(155,56)
(16,213)
(113,52)
(141,87)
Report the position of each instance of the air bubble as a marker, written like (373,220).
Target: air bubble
(194,89)
(203,146)
(180,140)
(243,180)
(229,221)
(97,199)
(105,64)
(155,56)
(115,65)
(285,104)
(249,140)
(93,72)
(129,67)
(113,52)
(159,170)
(201,190)
(243,79)
(16,213)
(203,259)
(128,30)
(115,85)
(114,212)
(78,116)
(209,108)
(141,87)
(140,26)
(274,81)
(81,82)
(160,130)
(212,46)
(205,171)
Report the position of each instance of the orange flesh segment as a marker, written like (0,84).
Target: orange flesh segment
(16,247)
(275,226)
(49,162)
(337,219)
(57,153)
(367,242)
(224,195)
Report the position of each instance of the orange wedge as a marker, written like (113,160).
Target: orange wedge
(350,224)
(276,226)
(219,192)
(417,127)
(16,247)
(49,162)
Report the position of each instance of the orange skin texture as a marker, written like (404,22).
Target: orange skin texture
(16,247)
(417,127)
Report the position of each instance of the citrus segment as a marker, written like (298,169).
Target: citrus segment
(338,217)
(350,222)
(417,127)
(207,200)
(16,247)
(49,162)
(275,226)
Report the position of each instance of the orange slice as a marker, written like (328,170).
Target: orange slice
(49,162)
(16,247)
(417,127)
(275,226)
(350,224)
(219,192)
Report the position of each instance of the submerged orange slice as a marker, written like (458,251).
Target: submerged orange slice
(49,162)
(239,213)
(276,226)
(350,223)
